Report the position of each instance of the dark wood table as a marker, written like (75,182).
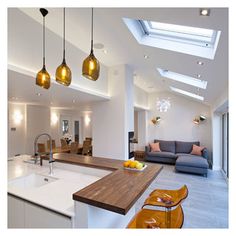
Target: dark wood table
(115,192)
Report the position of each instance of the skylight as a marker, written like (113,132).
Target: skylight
(193,95)
(179,38)
(186,34)
(183,78)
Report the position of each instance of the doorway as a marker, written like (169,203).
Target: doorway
(76,131)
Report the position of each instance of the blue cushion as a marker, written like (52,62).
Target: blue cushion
(162,154)
(192,161)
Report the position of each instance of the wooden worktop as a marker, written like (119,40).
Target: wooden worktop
(117,191)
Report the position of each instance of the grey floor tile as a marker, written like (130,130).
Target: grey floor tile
(207,203)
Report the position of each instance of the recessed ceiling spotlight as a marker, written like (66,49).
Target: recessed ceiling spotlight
(204,12)
(98,45)
(14,98)
(146,56)
(73,100)
(199,76)
(38,94)
(200,63)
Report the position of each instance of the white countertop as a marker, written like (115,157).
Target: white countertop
(56,195)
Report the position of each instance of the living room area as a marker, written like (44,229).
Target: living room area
(176,127)
(157,113)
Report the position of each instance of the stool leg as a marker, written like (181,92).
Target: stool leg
(168,217)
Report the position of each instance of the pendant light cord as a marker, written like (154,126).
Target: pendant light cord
(43,41)
(64,33)
(92,32)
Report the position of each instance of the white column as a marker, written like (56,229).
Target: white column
(112,120)
(142,129)
(216,142)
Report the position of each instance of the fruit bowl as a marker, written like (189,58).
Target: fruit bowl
(134,165)
(134,169)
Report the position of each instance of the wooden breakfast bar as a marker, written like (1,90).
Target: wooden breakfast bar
(111,198)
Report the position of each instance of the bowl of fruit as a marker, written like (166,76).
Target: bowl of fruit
(134,165)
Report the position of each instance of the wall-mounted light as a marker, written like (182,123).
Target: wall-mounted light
(17,117)
(156,120)
(199,119)
(87,120)
(54,118)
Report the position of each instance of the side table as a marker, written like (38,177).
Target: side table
(139,155)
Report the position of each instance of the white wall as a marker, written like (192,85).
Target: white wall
(141,104)
(86,125)
(113,119)
(142,130)
(38,121)
(177,122)
(136,125)
(16,130)
(218,108)
(140,97)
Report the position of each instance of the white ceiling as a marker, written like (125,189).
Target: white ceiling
(122,48)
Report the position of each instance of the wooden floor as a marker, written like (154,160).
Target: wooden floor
(207,202)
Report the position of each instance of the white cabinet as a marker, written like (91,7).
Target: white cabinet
(16,213)
(23,214)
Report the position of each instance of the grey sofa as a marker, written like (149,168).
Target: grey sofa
(178,153)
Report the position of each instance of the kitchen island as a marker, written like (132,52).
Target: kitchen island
(107,202)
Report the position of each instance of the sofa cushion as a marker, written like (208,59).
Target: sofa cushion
(162,154)
(185,147)
(155,147)
(197,150)
(192,161)
(167,146)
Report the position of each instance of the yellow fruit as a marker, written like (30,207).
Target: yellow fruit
(132,164)
(126,163)
(139,166)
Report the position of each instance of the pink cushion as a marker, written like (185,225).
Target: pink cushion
(155,147)
(197,150)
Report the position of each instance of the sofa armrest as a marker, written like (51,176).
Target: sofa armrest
(147,149)
(205,153)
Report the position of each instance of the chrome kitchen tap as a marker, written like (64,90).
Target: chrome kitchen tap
(50,153)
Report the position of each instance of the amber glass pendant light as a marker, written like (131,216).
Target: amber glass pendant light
(63,72)
(91,66)
(43,78)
